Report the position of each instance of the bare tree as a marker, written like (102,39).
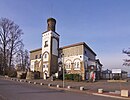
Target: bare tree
(26,59)
(15,42)
(19,58)
(126,61)
(5,26)
(10,41)
(22,60)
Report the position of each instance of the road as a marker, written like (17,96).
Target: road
(11,90)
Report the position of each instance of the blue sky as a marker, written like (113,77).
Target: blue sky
(103,24)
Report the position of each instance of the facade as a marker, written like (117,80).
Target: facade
(77,58)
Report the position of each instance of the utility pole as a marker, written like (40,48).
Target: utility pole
(63,69)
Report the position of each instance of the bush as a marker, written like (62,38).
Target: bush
(23,76)
(77,77)
(12,73)
(74,77)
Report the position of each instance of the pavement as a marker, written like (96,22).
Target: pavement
(89,88)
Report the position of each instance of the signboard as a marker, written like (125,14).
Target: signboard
(114,71)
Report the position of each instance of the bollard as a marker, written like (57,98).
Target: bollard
(21,80)
(29,81)
(49,84)
(100,90)
(124,93)
(35,82)
(68,87)
(81,88)
(58,86)
(41,84)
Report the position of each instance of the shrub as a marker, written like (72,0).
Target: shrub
(23,76)
(12,73)
(74,77)
(77,77)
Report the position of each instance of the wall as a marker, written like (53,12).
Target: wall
(88,53)
(34,53)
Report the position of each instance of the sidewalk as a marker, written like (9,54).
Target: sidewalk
(106,86)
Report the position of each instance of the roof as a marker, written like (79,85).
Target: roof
(99,62)
(77,44)
(35,50)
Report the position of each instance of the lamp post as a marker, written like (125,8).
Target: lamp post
(63,69)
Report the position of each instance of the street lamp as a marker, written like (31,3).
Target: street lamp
(62,55)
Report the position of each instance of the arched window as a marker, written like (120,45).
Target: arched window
(77,64)
(68,64)
(45,56)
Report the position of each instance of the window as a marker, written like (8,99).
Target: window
(36,56)
(43,66)
(68,65)
(77,65)
(85,52)
(40,56)
(46,44)
(45,56)
(46,66)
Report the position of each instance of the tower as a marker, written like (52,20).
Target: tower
(50,46)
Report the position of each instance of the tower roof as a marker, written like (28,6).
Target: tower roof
(51,24)
(51,19)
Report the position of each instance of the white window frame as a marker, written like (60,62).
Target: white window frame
(77,65)
(68,65)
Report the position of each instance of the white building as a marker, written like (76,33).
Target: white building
(77,58)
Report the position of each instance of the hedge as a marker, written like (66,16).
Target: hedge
(74,77)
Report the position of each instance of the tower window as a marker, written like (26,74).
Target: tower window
(45,56)
(46,44)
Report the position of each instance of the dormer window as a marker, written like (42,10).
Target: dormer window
(46,44)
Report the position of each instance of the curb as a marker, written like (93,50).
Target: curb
(110,96)
(71,90)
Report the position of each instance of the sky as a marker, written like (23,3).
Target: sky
(103,24)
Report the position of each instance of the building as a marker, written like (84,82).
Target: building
(77,58)
(114,74)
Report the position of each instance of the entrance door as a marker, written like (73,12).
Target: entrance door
(45,76)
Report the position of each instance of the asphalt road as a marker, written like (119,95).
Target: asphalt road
(11,90)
